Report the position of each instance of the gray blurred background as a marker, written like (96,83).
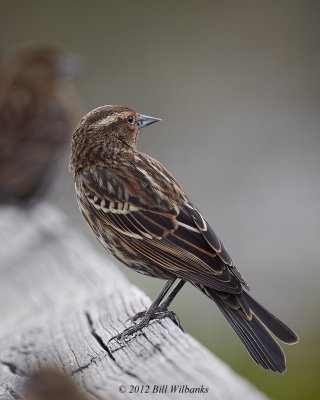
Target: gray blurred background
(237,86)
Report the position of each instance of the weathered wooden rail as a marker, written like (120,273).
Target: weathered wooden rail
(60,303)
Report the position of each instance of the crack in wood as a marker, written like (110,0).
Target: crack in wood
(97,337)
(101,343)
(12,368)
(84,367)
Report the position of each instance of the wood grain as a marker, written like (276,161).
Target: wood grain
(61,302)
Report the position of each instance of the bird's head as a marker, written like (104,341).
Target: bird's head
(106,133)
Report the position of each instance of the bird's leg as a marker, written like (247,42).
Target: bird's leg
(167,301)
(162,310)
(163,307)
(157,310)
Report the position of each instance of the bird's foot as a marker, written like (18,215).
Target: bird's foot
(146,317)
(132,330)
(159,313)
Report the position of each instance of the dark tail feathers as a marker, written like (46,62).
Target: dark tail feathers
(277,327)
(261,345)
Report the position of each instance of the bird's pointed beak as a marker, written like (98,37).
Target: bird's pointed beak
(144,120)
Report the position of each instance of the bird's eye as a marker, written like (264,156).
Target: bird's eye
(130,119)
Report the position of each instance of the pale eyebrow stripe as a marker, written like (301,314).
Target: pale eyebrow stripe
(106,121)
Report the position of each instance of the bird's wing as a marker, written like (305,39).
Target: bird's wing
(172,235)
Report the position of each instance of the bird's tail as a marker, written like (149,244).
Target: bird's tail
(277,327)
(253,324)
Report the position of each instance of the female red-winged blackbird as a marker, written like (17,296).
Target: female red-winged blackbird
(37,115)
(141,214)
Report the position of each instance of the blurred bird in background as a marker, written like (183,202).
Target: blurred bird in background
(140,213)
(51,384)
(38,109)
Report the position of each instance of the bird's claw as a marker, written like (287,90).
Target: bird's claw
(146,318)
(131,330)
(137,316)
(159,313)
(174,318)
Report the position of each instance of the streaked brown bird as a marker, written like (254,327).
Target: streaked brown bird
(140,213)
(38,111)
